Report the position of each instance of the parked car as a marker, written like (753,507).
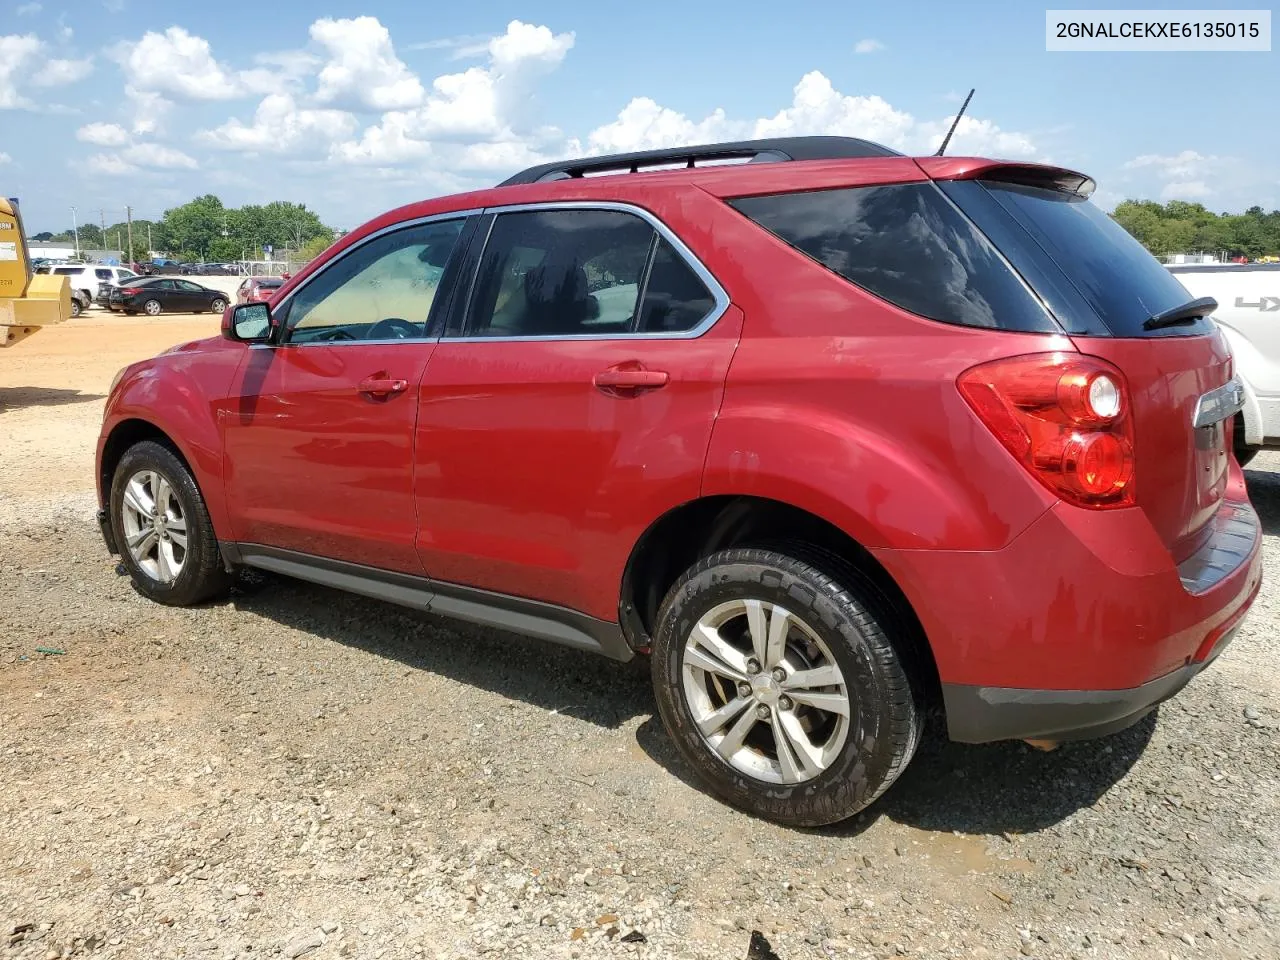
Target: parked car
(836,437)
(1248,298)
(258,289)
(79,302)
(156,295)
(87,277)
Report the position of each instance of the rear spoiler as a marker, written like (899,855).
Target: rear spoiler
(1040,175)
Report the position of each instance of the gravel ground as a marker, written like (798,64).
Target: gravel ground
(300,773)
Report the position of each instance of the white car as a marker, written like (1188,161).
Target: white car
(1248,312)
(87,276)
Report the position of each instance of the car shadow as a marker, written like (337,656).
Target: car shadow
(14,398)
(535,672)
(1006,787)
(1264,493)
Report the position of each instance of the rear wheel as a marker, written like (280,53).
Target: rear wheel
(163,529)
(218,306)
(781,687)
(152,308)
(76,308)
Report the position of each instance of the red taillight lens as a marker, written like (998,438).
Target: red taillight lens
(131,291)
(1065,417)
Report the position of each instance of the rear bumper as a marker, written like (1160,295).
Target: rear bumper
(1081,624)
(985,714)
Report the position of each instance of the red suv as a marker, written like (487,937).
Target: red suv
(838,436)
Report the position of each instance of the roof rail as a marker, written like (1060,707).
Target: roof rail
(771,150)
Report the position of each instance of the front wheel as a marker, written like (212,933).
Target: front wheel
(162,528)
(152,308)
(782,689)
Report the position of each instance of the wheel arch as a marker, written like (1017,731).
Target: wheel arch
(698,528)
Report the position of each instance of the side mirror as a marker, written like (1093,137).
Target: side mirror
(247,323)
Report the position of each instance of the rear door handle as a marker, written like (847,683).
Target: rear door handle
(381,386)
(630,378)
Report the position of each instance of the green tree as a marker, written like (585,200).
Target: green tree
(192,228)
(1182,227)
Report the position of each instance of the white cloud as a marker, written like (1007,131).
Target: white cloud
(148,109)
(176,64)
(103,134)
(280,126)
(17,51)
(976,138)
(868,46)
(59,73)
(109,164)
(1182,166)
(818,108)
(643,124)
(1185,190)
(5,158)
(482,105)
(460,48)
(158,156)
(362,70)
(29,9)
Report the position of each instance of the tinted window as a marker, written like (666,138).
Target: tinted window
(1112,271)
(675,299)
(907,244)
(66,271)
(560,273)
(583,273)
(188,286)
(383,290)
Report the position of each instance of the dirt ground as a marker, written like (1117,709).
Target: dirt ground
(300,773)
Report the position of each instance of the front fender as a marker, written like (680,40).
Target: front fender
(180,394)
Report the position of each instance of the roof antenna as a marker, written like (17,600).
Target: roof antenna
(955,123)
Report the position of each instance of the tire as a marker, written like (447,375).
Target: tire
(76,309)
(202,575)
(838,625)
(152,308)
(218,306)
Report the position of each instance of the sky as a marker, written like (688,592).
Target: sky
(353,108)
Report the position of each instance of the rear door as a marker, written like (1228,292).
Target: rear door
(569,405)
(1109,291)
(318,430)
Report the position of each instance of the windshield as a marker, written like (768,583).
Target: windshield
(1123,283)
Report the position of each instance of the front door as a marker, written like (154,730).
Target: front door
(319,427)
(574,406)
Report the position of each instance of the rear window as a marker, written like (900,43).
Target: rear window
(907,244)
(1113,272)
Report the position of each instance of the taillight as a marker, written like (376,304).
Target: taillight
(131,291)
(1065,417)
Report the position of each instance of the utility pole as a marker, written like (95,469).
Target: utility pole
(76,230)
(128,215)
(149,247)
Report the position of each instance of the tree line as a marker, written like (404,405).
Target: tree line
(1182,227)
(205,230)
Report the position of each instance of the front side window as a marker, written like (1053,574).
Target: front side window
(383,290)
(561,273)
(906,244)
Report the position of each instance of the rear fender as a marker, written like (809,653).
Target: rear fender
(1246,358)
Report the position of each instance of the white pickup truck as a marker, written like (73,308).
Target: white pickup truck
(1248,311)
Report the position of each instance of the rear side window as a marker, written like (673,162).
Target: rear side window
(576,273)
(1113,272)
(907,244)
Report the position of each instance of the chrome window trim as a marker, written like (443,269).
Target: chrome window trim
(718,293)
(391,228)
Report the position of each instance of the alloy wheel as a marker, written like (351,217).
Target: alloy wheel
(155,527)
(765,691)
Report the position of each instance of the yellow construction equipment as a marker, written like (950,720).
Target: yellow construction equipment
(27,302)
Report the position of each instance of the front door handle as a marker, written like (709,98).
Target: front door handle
(630,378)
(382,387)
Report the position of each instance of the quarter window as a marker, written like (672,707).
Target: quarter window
(557,273)
(907,244)
(384,290)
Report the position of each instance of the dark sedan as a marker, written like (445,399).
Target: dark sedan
(156,295)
